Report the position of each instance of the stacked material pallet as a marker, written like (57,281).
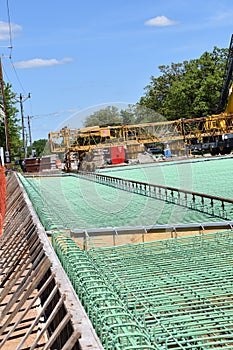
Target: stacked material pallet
(45,164)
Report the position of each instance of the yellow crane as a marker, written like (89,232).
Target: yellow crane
(212,134)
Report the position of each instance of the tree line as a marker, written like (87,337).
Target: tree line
(190,89)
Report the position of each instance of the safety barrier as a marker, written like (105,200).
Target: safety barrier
(204,203)
(2,196)
(112,321)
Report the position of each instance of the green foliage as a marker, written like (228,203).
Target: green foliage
(134,114)
(13,126)
(142,114)
(189,89)
(41,147)
(104,117)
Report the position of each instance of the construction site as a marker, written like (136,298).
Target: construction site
(127,245)
(113,262)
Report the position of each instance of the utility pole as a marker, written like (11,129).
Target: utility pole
(26,143)
(7,139)
(21,100)
(30,134)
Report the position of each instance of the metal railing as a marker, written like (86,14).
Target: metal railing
(212,205)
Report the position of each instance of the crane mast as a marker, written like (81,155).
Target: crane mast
(227,80)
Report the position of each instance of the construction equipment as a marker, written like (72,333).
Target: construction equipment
(212,134)
(78,143)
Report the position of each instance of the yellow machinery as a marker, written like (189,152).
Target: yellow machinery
(188,130)
(85,139)
(212,134)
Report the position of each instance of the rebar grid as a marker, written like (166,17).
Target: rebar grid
(180,290)
(113,322)
(76,205)
(38,307)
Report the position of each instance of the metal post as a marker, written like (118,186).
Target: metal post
(30,134)
(21,100)
(22,121)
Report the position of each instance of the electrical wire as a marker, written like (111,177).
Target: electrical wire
(9,25)
(11,46)
(16,74)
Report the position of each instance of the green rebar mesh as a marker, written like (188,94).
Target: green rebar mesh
(170,294)
(70,203)
(180,290)
(206,175)
(112,321)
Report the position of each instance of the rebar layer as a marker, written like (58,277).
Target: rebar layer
(178,293)
(204,203)
(113,322)
(38,306)
(70,202)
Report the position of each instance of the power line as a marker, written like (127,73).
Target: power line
(9,24)
(16,74)
(11,45)
(57,114)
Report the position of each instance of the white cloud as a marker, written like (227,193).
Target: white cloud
(160,21)
(5,30)
(39,62)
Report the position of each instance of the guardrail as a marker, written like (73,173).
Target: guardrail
(212,205)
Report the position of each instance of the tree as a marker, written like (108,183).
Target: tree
(143,114)
(189,89)
(13,126)
(134,114)
(127,116)
(104,117)
(41,147)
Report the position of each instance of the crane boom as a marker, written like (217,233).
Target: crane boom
(228,79)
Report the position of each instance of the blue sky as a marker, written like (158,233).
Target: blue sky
(73,55)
